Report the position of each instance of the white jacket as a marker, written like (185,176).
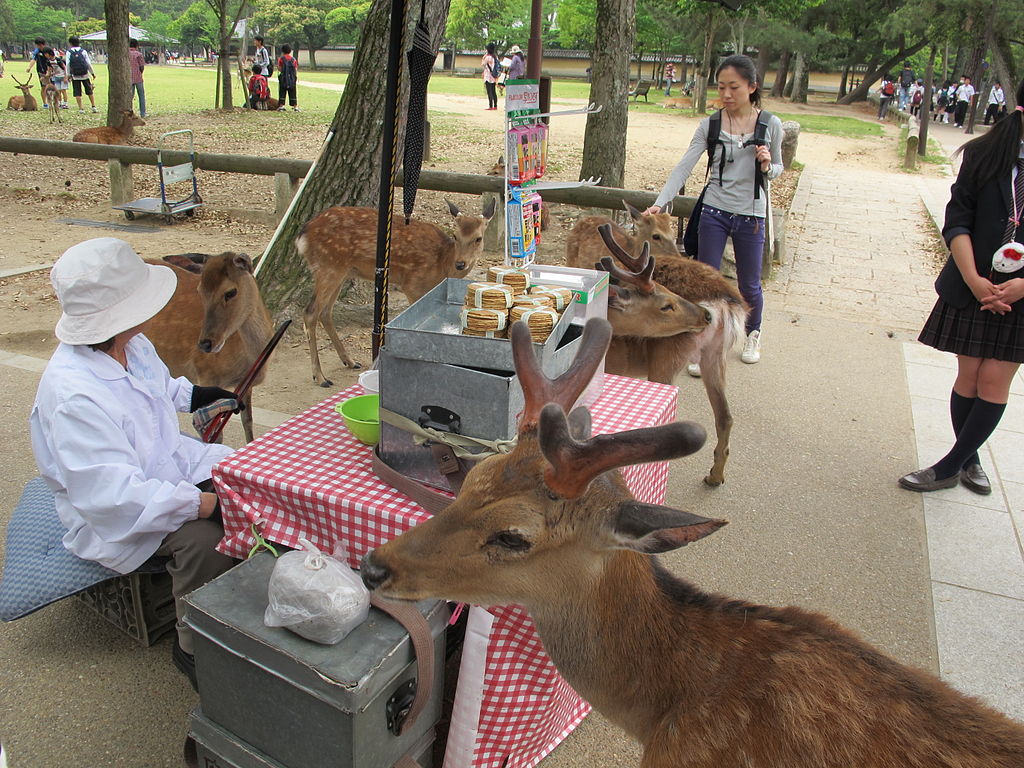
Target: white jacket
(107,443)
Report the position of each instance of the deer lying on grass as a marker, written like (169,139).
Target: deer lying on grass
(26,102)
(653,355)
(215,326)
(339,244)
(700,680)
(105,134)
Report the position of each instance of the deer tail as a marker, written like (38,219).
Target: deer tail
(730,316)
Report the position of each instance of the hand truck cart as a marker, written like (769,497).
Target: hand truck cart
(174,174)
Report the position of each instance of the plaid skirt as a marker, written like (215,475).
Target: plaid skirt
(974,333)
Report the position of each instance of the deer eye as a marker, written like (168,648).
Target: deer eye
(230,294)
(509,540)
(655,237)
(667,308)
(478,240)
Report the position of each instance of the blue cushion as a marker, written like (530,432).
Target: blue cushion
(38,570)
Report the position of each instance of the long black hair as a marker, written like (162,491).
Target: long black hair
(993,154)
(745,67)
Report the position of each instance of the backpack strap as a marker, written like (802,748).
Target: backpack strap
(714,138)
(760,134)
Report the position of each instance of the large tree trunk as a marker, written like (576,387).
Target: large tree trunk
(844,81)
(119,85)
(312,59)
(926,104)
(348,172)
(795,76)
(225,78)
(860,93)
(764,53)
(604,140)
(706,66)
(781,74)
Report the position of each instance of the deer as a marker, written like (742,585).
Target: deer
(339,243)
(51,97)
(26,102)
(215,325)
(700,680)
(659,357)
(117,134)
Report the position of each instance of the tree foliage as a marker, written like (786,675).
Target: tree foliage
(196,27)
(302,22)
(345,22)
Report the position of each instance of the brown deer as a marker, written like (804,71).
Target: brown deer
(660,357)
(105,134)
(51,97)
(339,244)
(26,102)
(215,325)
(700,680)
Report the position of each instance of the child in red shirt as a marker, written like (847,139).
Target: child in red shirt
(287,77)
(259,88)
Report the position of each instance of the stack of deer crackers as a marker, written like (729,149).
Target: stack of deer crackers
(491,307)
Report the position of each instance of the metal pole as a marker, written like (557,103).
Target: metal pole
(386,198)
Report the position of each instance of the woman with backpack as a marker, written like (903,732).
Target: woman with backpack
(886,93)
(492,69)
(979,314)
(744,149)
(287,78)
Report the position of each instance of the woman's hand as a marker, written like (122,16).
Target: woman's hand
(1003,295)
(989,295)
(652,209)
(207,503)
(763,155)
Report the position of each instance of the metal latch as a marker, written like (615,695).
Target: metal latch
(441,419)
(398,706)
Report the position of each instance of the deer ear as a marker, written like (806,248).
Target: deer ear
(633,212)
(185,261)
(243,262)
(488,210)
(651,528)
(667,207)
(580,423)
(453,209)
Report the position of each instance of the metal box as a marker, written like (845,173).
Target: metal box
(210,746)
(296,702)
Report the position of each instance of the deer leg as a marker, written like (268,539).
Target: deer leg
(327,321)
(712,371)
(247,416)
(309,322)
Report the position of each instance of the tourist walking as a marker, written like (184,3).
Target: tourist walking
(492,69)
(287,79)
(886,93)
(261,58)
(906,80)
(79,69)
(137,63)
(979,315)
(669,77)
(964,94)
(735,203)
(996,103)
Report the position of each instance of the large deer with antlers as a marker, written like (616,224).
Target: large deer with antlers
(339,243)
(650,353)
(700,680)
(26,102)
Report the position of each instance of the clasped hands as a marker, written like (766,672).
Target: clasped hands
(1000,297)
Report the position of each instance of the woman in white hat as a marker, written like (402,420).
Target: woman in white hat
(105,434)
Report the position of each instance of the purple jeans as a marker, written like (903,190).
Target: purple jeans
(747,234)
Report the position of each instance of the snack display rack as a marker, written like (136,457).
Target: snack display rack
(526,146)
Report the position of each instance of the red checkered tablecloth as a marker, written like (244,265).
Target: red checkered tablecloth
(310,478)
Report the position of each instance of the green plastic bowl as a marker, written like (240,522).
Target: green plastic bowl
(362,417)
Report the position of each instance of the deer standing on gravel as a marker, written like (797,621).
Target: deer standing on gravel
(653,355)
(51,97)
(105,134)
(215,325)
(339,244)
(700,680)
(26,102)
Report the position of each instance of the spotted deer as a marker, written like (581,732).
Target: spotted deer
(700,680)
(338,244)
(105,134)
(215,325)
(26,102)
(584,245)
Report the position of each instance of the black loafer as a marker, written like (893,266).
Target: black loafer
(973,478)
(924,480)
(185,662)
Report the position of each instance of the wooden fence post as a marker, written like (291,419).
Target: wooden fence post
(284,190)
(122,189)
(910,158)
(496,226)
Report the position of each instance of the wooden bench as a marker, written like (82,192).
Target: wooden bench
(641,89)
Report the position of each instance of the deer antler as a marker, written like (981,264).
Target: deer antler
(605,230)
(574,464)
(642,280)
(538,389)
(19,81)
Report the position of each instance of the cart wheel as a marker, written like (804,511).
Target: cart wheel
(190,212)
(130,215)
(169,218)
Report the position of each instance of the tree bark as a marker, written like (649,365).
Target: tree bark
(348,172)
(119,78)
(843,82)
(781,74)
(860,93)
(926,104)
(706,65)
(797,80)
(764,53)
(604,139)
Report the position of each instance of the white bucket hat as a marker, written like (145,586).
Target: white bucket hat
(104,288)
(515,49)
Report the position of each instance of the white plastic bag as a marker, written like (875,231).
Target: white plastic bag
(315,596)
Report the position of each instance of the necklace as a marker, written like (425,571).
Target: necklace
(738,137)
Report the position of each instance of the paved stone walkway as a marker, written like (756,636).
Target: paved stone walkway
(856,240)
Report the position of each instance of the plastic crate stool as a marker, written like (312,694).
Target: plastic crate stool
(38,570)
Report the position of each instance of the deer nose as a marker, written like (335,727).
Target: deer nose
(707,316)
(373,574)
(460,265)
(205,345)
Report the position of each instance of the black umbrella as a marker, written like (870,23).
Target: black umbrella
(421,61)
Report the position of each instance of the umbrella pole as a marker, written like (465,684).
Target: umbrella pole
(386,198)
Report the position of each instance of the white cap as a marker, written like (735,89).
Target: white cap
(105,288)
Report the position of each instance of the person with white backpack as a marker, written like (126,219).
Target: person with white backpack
(79,68)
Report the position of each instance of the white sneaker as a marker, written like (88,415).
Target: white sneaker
(752,348)
(694,370)
(94,109)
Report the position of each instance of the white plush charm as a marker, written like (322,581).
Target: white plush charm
(1008,258)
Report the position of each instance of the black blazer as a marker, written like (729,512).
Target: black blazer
(981,213)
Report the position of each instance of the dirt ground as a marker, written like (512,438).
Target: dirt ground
(35,192)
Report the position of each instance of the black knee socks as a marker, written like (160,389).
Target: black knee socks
(980,422)
(959,409)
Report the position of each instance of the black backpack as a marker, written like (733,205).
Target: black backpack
(714,139)
(77,65)
(287,76)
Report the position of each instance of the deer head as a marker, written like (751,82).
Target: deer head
(23,87)
(130,121)
(656,229)
(229,294)
(469,236)
(640,307)
(550,511)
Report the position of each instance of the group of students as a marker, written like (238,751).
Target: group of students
(287,77)
(59,67)
(952,100)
